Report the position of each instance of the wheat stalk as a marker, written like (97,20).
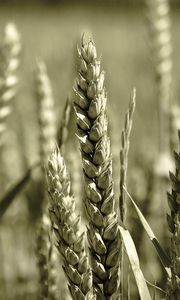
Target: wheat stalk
(66,227)
(160,39)
(174,227)
(125,140)
(103,236)
(9,56)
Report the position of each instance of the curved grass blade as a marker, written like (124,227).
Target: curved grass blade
(8,198)
(164,258)
(134,262)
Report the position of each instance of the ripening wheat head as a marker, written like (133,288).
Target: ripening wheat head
(9,61)
(90,108)
(66,222)
(174,227)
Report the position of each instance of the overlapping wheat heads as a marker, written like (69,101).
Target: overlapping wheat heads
(90,109)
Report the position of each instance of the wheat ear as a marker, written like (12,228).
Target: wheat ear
(46,112)
(66,227)
(174,227)
(103,236)
(42,248)
(160,38)
(9,54)
(47,137)
(125,140)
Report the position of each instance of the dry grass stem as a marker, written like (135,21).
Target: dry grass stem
(125,141)
(66,222)
(90,109)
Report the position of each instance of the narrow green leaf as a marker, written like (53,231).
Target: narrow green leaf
(8,198)
(164,258)
(134,262)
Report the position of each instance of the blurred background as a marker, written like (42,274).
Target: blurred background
(51,30)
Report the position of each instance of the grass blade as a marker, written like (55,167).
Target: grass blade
(6,200)
(134,262)
(165,260)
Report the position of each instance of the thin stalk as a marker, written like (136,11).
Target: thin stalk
(125,141)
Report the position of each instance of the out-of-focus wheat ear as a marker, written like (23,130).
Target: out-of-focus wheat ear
(125,141)
(46,112)
(174,126)
(47,137)
(173,289)
(90,109)
(9,61)
(62,133)
(52,266)
(42,249)
(159,25)
(70,240)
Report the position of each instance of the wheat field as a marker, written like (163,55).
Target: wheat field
(82,142)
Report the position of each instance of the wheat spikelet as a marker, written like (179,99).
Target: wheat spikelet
(125,140)
(160,36)
(9,56)
(174,227)
(66,227)
(103,237)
